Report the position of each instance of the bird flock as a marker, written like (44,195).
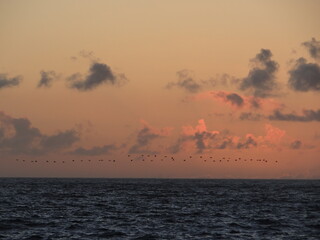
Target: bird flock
(155,157)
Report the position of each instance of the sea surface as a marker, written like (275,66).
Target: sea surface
(159,209)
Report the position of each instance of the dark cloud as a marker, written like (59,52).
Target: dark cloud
(47,78)
(261,79)
(200,138)
(144,138)
(278,115)
(186,82)
(99,73)
(296,144)
(307,116)
(225,143)
(251,116)
(94,151)
(177,146)
(235,99)
(18,136)
(6,82)
(313,47)
(249,142)
(304,76)
(60,140)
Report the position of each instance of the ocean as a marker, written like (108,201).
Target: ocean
(43,208)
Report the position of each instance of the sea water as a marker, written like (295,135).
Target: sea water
(159,209)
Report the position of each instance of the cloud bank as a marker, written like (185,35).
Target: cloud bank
(18,136)
(200,140)
(307,116)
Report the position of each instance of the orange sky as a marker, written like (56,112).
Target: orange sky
(104,79)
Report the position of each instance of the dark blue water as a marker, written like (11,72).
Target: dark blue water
(159,209)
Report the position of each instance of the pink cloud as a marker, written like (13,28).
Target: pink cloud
(200,139)
(201,127)
(273,134)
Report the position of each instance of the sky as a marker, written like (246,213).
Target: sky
(200,81)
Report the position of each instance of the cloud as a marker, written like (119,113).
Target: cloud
(145,136)
(249,142)
(99,73)
(190,84)
(90,55)
(237,101)
(273,134)
(199,137)
(186,82)
(304,76)
(47,78)
(296,144)
(233,99)
(18,136)
(200,140)
(307,116)
(251,116)
(60,140)
(94,151)
(6,82)
(261,78)
(313,47)
(278,115)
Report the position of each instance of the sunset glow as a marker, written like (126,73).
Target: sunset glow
(160,89)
